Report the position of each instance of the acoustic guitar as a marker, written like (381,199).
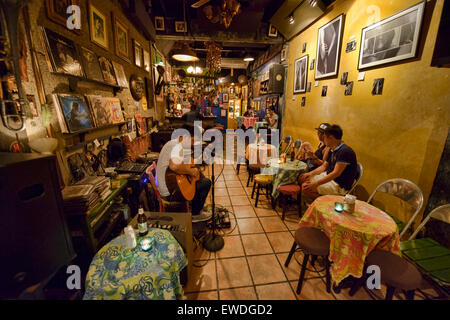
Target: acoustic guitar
(182,186)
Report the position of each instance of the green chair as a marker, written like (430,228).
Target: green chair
(432,258)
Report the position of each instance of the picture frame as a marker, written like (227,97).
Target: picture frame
(146,60)
(159,24)
(344,78)
(392,39)
(121,39)
(91,64)
(101,112)
(76,113)
(109,76)
(273,32)
(377,87)
(180,26)
(324,91)
(138,55)
(98,27)
(225,98)
(300,74)
(56,11)
(304,48)
(329,38)
(348,88)
(283,54)
(120,75)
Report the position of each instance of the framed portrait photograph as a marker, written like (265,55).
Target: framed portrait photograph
(99,32)
(146,57)
(121,39)
(300,75)
(91,64)
(283,55)
(328,48)
(62,54)
(273,32)
(107,68)
(138,55)
(120,75)
(159,23)
(392,39)
(76,113)
(56,11)
(180,26)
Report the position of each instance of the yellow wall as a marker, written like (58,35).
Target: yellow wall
(400,133)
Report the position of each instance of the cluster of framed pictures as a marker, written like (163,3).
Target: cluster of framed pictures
(180,26)
(392,39)
(64,56)
(80,113)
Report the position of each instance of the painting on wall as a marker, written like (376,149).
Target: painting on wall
(106,66)
(76,113)
(392,39)
(328,48)
(273,32)
(91,65)
(159,23)
(56,11)
(283,54)
(300,76)
(138,58)
(100,111)
(121,39)
(146,58)
(99,32)
(120,75)
(180,26)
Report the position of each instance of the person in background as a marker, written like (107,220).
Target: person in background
(272,118)
(337,173)
(249,112)
(193,115)
(314,159)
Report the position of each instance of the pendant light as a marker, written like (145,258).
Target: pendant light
(185,54)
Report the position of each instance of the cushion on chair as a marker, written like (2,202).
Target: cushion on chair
(313,241)
(256,167)
(289,189)
(395,271)
(263,179)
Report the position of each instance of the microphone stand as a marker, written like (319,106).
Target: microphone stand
(213,242)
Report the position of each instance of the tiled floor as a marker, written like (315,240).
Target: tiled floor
(251,264)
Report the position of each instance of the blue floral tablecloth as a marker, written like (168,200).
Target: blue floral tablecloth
(118,273)
(284,173)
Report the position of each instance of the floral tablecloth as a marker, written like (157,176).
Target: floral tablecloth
(284,173)
(117,273)
(352,235)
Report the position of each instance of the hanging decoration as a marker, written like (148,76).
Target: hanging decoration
(223,13)
(213,57)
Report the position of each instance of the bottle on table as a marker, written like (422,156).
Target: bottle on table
(142,223)
(292,155)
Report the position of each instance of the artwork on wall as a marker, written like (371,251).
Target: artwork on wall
(324,91)
(91,65)
(303,101)
(32,105)
(225,97)
(56,11)
(146,57)
(311,65)
(180,26)
(344,78)
(159,23)
(138,56)
(100,111)
(378,86)
(351,46)
(120,75)
(273,32)
(99,31)
(328,48)
(301,70)
(349,88)
(107,70)
(116,111)
(121,39)
(62,54)
(283,55)
(137,87)
(304,48)
(75,113)
(392,39)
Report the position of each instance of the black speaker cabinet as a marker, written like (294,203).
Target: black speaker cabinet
(276,78)
(160,138)
(34,238)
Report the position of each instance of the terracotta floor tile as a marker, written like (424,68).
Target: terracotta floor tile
(232,230)
(208,295)
(272,224)
(220,192)
(232,248)
(277,291)
(220,184)
(231,177)
(228,271)
(237,192)
(247,293)
(292,222)
(249,225)
(265,269)
(234,184)
(202,279)
(223,201)
(244,212)
(256,244)
(361,294)
(239,201)
(261,212)
(292,271)
(201,253)
(281,241)
(313,289)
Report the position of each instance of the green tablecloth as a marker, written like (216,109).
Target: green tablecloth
(239,121)
(117,273)
(284,173)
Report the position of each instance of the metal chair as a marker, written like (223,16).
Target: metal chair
(359,173)
(296,147)
(404,190)
(288,141)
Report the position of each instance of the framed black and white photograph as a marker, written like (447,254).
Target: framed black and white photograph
(324,91)
(344,78)
(273,32)
(301,70)
(283,54)
(378,86)
(392,39)
(159,23)
(311,65)
(349,88)
(328,48)
(180,26)
(351,46)
(303,101)
(304,48)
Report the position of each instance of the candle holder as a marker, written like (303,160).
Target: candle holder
(338,207)
(146,244)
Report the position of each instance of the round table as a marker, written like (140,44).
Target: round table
(117,273)
(352,235)
(284,173)
(260,153)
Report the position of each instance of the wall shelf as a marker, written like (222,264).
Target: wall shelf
(73,82)
(82,135)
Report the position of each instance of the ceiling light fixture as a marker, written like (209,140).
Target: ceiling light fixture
(248,58)
(312,3)
(185,54)
(291,19)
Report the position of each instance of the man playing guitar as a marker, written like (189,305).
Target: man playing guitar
(171,160)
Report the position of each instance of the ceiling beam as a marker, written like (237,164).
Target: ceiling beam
(224,39)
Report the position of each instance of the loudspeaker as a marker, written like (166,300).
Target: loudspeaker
(160,138)
(35,240)
(276,79)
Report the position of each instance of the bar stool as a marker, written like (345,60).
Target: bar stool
(287,191)
(262,181)
(252,170)
(314,243)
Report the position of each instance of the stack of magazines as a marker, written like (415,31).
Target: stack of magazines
(81,198)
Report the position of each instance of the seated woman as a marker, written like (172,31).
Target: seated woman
(306,153)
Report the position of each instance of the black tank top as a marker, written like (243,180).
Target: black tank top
(319,151)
